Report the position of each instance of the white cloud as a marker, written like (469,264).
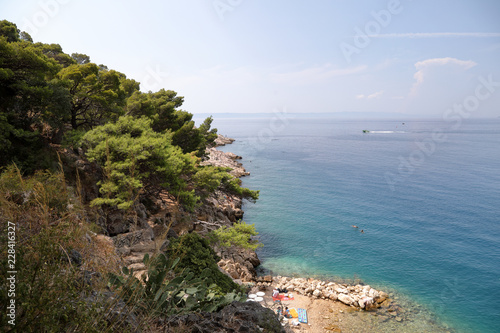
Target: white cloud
(445,61)
(371,96)
(439,83)
(375,95)
(426,66)
(437,35)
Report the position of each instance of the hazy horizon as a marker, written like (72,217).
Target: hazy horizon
(425,58)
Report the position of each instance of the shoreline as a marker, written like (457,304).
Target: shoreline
(335,306)
(397,312)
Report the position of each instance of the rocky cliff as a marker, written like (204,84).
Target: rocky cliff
(158,217)
(224,209)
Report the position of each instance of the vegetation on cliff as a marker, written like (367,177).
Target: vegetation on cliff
(238,235)
(61,114)
(195,254)
(139,139)
(57,258)
(171,290)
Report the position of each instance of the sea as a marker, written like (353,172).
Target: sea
(408,206)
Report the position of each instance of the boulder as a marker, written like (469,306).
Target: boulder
(346,299)
(365,302)
(373,293)
(340,289)
(333,296)
(116,223)
(382,297)
(132,238)
(236,317)
(238,214)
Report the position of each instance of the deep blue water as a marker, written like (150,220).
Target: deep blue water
(425,193)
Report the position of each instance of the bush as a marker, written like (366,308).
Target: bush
(194,253)
(131,153)
(239,235)
(165,293)
(209,178)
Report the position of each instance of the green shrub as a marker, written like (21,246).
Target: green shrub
(73,138)
(194,253)
(234,186)
(165,293)
(239,235)
(209,178)
(132,154)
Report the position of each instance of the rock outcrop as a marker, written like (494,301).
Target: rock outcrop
(218,209)
(222,140)
(152,223)
(225,160)
(219,158)
(237,317)
(146,230)
(224,209)
(359,296)
(240,264)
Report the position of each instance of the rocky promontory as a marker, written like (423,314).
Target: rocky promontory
(225,159)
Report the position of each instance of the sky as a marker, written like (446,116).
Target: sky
(428,58)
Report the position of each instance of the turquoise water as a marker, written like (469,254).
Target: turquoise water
(429,211)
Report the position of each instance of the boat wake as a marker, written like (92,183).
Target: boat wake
(386,132)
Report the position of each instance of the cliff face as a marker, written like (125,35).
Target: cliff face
(225,209)
(158,218)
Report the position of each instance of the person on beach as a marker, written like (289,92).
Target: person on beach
(287,313)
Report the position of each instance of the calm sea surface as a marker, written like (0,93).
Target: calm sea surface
(425,193)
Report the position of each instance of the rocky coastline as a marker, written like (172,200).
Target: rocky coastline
(127,237)
(241,266)
(225,159)
(155,222)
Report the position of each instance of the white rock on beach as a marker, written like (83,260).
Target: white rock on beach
(365,302)
(333,296)
(360,296)
(373,293)
(346,299)
(340,289)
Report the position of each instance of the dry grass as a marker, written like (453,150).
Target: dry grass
(51,226)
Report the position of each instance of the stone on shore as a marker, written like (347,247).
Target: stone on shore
(222,140)
(346,299)
(359,296)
